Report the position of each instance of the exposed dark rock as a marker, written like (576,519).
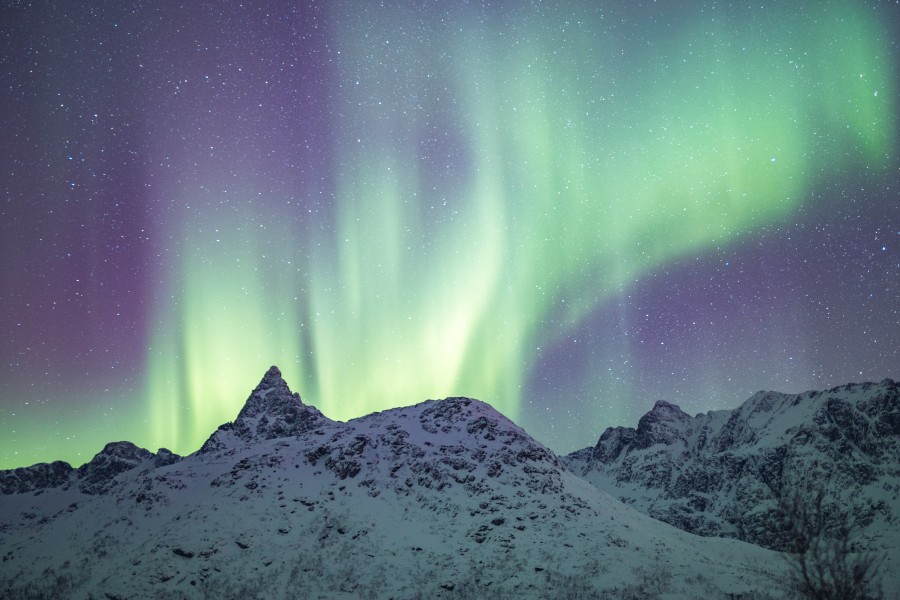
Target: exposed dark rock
(664,424)
(272,411)
(722,473)
(612,442)
(165,457)
(36,477)
(96,476)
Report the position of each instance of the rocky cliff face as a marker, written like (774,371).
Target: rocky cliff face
(722,473)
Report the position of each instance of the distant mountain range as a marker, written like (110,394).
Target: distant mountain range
(722,473)
(448,499)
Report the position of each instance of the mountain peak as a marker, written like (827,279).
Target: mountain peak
(272,396)
(271,379)
(664,423)
(272,411)
(667,409)
(97,475)
(661,414)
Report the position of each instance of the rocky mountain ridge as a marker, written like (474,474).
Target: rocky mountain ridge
(446,498)
(93,477)
(723,473)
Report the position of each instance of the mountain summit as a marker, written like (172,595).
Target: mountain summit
(272,397)
(272,411)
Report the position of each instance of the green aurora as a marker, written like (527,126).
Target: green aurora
(572,188)
(553,163)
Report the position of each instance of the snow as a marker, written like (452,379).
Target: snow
(720,473)
(444,499)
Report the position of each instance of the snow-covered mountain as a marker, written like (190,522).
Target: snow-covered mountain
(722,473)
(442,499)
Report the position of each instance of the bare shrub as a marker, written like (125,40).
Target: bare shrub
(822,563)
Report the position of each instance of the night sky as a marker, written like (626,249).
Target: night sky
(566,209)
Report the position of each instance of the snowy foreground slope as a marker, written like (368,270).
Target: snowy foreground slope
(445,499)
(722,473)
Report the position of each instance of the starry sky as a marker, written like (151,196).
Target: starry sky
(566,209)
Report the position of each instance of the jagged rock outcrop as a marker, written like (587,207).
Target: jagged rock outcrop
(722,473)
(96,476)
(93,477)
(165,457)
(664,424)
(272,411)
(36,477)
(473,445)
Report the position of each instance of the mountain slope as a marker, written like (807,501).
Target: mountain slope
(442,499)
(722,473)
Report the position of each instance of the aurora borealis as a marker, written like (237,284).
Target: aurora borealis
(566,209)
